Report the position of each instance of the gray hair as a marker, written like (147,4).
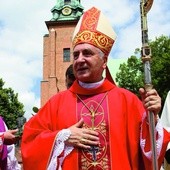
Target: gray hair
(101,53)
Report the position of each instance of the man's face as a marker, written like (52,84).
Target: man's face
(88,65)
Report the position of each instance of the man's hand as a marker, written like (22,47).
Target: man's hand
(82,138)
(151,100)
(9,137)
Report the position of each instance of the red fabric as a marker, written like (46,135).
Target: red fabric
(90,20)
(125,114)
(148,144)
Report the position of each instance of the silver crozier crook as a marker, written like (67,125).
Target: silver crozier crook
(145,6)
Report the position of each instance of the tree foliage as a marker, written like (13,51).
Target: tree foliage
(130,75)
(160,65)
(10,107)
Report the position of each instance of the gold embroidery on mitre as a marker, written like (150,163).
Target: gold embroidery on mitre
(99,40)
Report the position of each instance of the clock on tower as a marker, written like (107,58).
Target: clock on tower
(66,10)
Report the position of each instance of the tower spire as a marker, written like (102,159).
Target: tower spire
(67,10)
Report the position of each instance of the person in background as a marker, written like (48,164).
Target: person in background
(69,76)
(8,160)
(94,124)
(165,119)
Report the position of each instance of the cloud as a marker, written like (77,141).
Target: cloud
(22,27)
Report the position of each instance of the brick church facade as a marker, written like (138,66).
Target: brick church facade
(57,46)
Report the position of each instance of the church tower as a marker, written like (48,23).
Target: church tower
(57,46)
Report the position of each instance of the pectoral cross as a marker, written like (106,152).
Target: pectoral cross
(93,150)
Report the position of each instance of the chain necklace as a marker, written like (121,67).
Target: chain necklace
(91,110)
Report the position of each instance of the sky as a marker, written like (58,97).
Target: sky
(22,27)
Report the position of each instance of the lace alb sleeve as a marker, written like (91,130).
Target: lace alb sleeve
(159,140)
(60,150)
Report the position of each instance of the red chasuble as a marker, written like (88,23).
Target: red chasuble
(114,112)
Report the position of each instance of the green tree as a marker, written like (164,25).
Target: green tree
(131,75)
(160,65)
(10,107)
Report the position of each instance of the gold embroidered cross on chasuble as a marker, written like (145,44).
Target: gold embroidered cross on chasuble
(94,111)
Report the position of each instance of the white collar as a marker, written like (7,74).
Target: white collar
(91,85)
